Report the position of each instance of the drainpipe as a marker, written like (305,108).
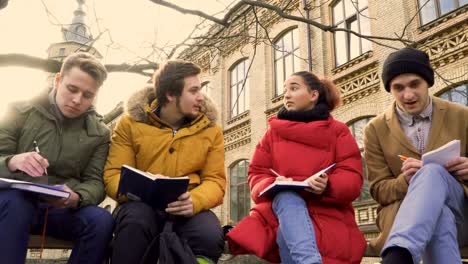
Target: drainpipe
(309,45)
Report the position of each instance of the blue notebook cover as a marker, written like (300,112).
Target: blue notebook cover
(41,189)
(156,192)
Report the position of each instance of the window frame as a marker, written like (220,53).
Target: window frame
(451,90)
(365,185)
(244,86)
(438,11)
(346,22)
(243,203)
(289,32)
(204,87)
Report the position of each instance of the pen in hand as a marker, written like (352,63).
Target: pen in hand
(36,149)
(403,158)
(275,173)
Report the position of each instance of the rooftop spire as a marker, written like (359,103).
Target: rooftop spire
(78,31)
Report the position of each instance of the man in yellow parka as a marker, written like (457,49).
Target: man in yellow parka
(169,130)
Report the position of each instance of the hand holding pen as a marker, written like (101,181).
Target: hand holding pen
(409,167)
(280,177)
(36,148)
(31,163)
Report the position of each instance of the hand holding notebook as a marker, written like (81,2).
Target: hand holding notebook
(151,189)
(444,154)
(278,186)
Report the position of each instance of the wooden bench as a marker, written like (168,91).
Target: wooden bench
(54,243)
(50,243)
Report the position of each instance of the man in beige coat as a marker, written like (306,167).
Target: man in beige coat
(422,208)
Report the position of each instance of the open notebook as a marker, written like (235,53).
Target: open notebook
(279,186)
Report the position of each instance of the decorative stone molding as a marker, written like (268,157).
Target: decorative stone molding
(359,84)
(352,62)
(239,117)
(237,136)
(269,18)
(277,98)
(237,144)
(365,213)
(204,61)
(272,111)
(447,46)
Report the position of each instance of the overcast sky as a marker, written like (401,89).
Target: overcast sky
(134,25)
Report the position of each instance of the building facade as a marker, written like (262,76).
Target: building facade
(246,77)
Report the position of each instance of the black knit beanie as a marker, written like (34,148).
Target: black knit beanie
(407,60)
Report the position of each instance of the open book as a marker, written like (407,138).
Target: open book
(42,189)
(279,186)
(155,191)
(443,154)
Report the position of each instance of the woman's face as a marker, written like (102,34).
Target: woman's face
(297,96)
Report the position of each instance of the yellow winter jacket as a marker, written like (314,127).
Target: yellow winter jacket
(145,142)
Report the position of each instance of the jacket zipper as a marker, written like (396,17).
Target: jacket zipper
(60,141)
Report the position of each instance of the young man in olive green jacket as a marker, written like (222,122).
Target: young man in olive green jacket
(73,145)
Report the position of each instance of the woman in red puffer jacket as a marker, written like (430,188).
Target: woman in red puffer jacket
(315,225)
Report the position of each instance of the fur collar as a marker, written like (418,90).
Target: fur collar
(135,106)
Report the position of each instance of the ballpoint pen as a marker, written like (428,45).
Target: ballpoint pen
(275,173)
(403,158)
(36,149)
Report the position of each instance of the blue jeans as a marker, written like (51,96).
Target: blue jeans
(426,223)
(296,235)
(21,213)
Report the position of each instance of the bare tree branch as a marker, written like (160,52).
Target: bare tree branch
(226,20)
(182,10)
(3,4)
(22,60)
(316,24)
(50,65)
(173,51)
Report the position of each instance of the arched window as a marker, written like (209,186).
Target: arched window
(204,87)
(239,88)
(286,58)
(357,129)
(240,192)
(458,94)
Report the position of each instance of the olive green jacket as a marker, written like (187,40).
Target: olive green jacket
(76,149)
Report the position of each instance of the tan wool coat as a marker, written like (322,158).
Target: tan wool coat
(384,139)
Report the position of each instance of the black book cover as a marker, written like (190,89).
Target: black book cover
(154,191)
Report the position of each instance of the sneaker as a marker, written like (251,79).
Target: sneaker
(204,260)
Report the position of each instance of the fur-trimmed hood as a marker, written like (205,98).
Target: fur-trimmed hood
(135,106)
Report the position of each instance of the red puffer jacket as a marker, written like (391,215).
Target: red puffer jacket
(298,150)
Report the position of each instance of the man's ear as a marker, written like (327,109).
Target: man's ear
(170,98)
(57,80)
